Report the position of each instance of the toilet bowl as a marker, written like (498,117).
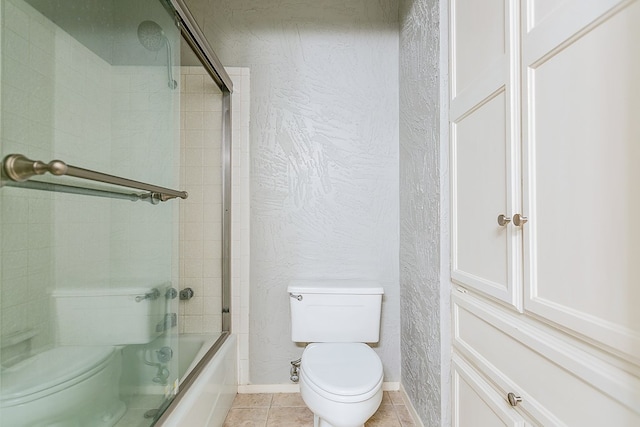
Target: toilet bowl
(341,383)
(63,386)
(76,383)
(340,376)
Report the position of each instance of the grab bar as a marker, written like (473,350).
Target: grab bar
(19,168)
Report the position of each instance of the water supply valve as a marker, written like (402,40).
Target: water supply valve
(295,370)
(186,294)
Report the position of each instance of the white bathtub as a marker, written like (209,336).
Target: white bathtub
(208,397)
(191,349)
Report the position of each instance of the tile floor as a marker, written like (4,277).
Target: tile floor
(288,410)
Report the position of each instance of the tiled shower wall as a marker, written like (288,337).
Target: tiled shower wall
(201,212)
(200,227)
(45,71)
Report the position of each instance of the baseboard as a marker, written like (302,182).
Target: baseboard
(268,388)
(390,386)
(410,408)
(294,388)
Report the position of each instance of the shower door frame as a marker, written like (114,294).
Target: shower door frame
(198,43)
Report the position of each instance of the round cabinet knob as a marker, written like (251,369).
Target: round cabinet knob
(519,220)
(503,220)
(513,399)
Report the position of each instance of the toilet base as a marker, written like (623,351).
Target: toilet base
(319,422)
(342,414)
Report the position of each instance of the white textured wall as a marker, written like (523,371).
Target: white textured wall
(324,156)
(421,210)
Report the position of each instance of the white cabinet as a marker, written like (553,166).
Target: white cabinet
(545,132)
(560,381)
(545,124)
(581,138)
(483,406)
(485,146)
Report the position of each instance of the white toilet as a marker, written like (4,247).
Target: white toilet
(63,386)
(76,382)
(340,376)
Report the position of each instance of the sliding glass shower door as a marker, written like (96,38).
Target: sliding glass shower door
(88,270)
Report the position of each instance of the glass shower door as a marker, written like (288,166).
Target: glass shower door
(88,270)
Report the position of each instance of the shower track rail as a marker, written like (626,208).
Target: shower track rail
(18,168)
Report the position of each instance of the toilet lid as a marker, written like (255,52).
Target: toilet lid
(50,368)
(342,369)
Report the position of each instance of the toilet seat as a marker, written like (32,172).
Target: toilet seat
(342,372)
(51,370)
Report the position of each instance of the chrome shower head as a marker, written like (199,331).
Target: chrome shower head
(151,36)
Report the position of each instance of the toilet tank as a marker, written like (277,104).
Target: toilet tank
(335,311)
(109,316)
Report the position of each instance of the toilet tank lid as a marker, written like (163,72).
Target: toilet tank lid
(344,287)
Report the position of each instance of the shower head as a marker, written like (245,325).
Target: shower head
(152,37)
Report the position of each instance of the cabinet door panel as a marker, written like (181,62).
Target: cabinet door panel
(582,146)
(485,138)
(476,403)
(479,40)
(479,146)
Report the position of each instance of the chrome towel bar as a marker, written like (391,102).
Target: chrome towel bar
(19,168)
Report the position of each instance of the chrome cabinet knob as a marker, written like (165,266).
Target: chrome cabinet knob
(513,399)
(503,220)
(519,220)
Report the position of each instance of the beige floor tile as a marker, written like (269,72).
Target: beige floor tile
(246,417)
(290,417)
(385,416)
(262,400)
(406,420)
(289,410)
(396,397)
(386,399)
(287,399)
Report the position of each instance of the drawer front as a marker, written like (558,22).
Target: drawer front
(476,403)
(560,384)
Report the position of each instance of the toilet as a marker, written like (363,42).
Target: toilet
(76,382)
(340,376)
(63,386)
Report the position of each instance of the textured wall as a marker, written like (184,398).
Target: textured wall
(420,206)
(324,155)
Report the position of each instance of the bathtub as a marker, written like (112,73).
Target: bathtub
(208,382)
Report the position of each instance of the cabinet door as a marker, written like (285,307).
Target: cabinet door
(476,403)
(581,134)
(485,138)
